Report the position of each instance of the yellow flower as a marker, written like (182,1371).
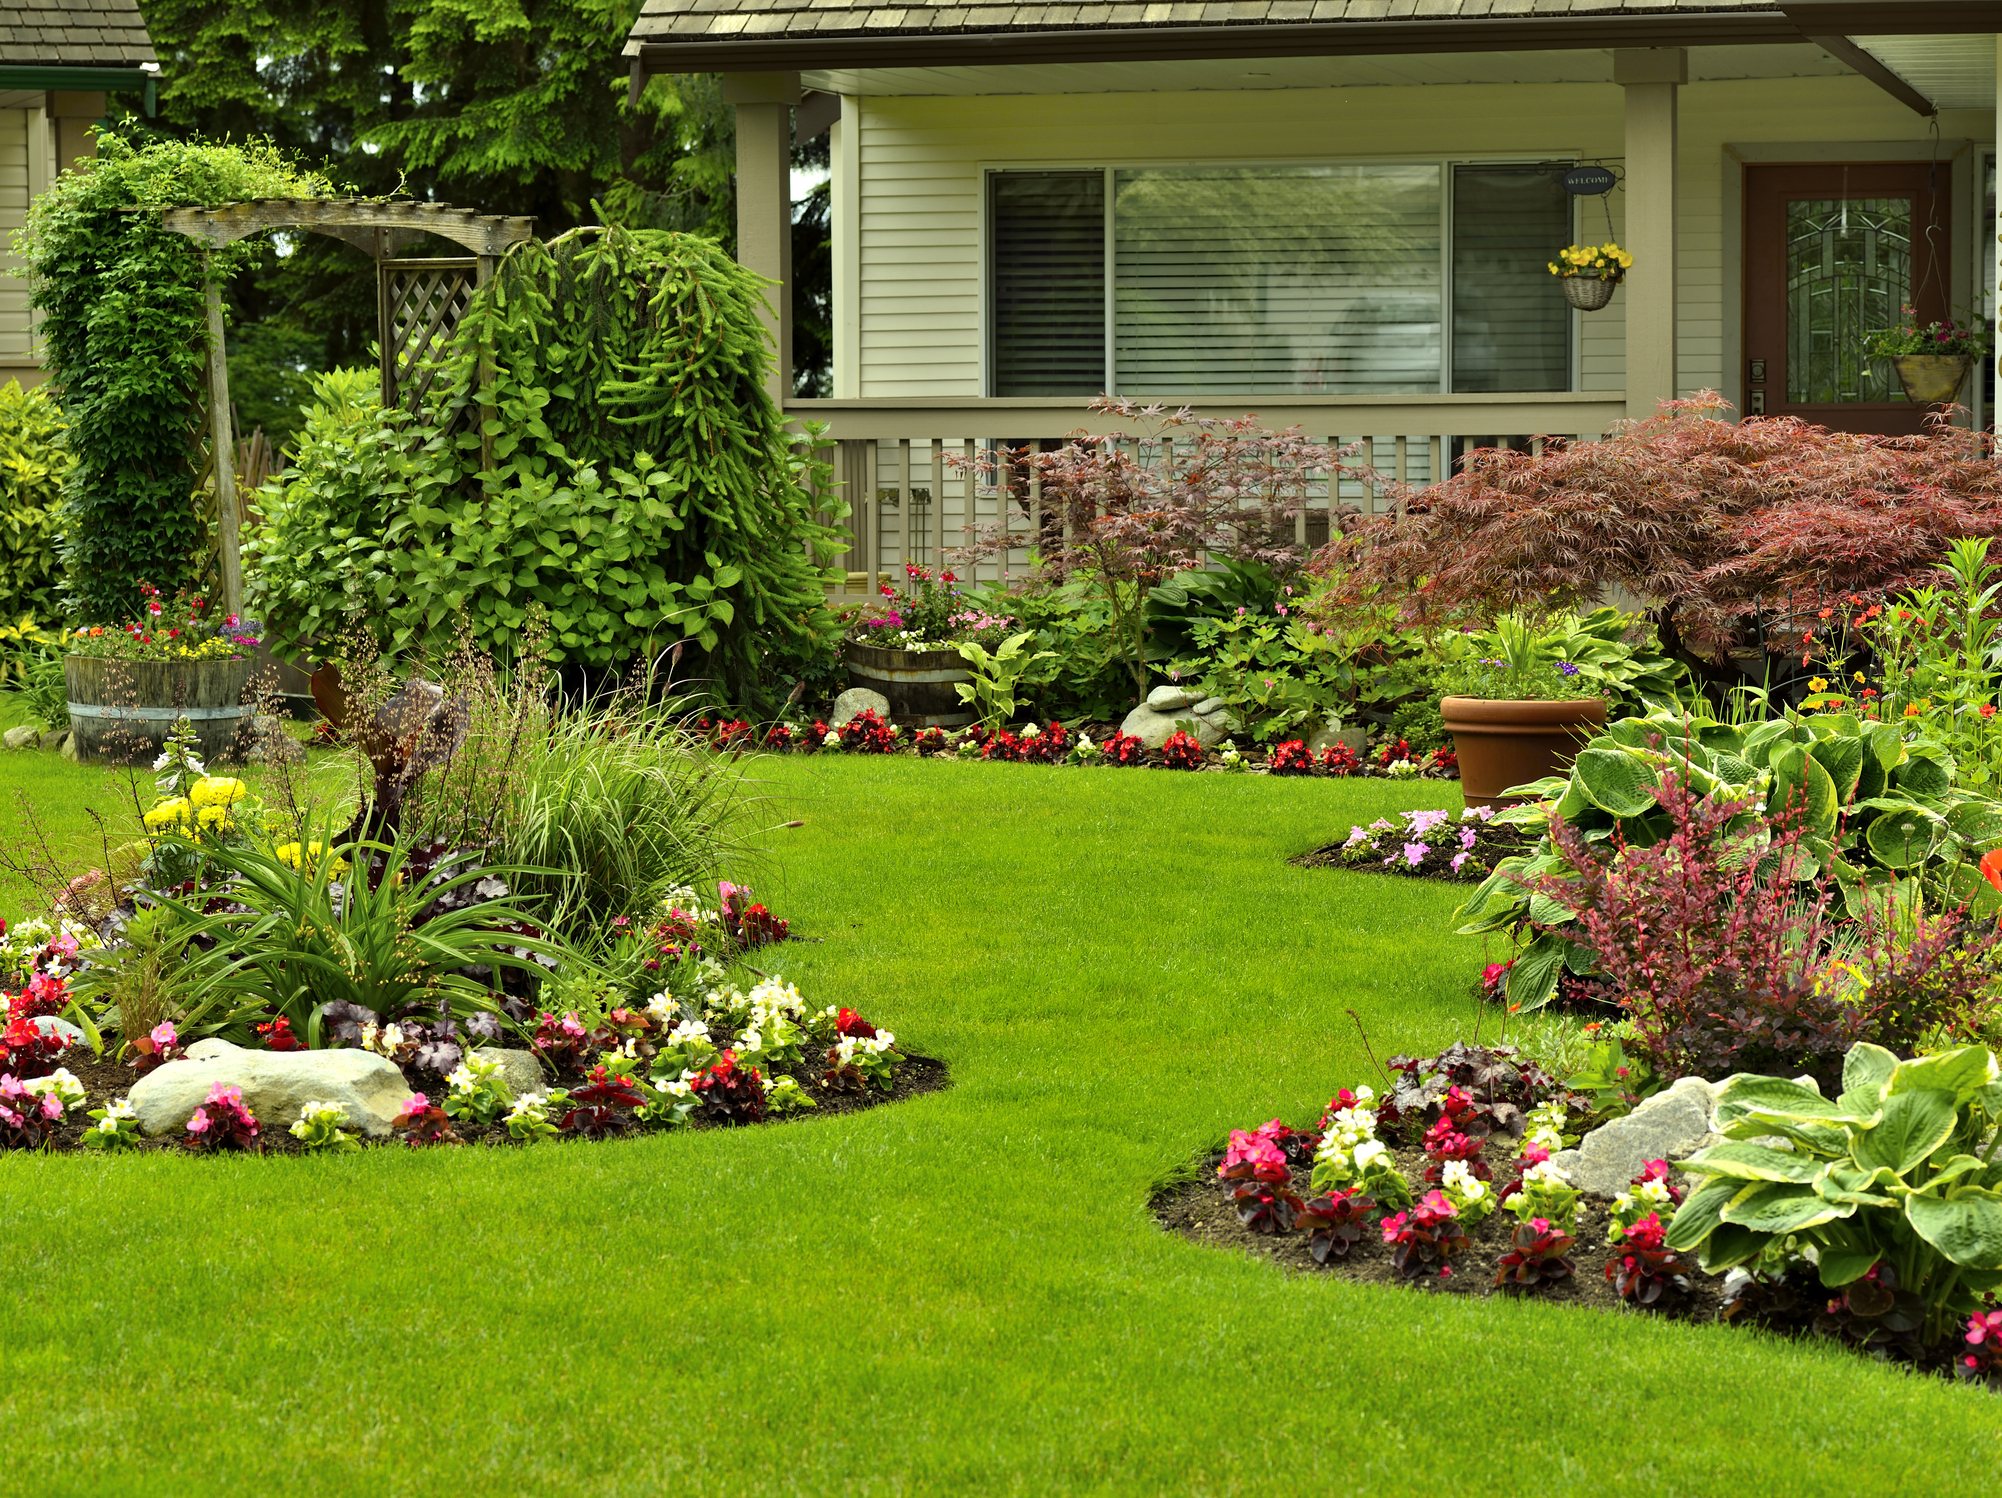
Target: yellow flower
(218,790)
(1818,684)
(215,818)
(289,855)
(174,813)
(1859,676)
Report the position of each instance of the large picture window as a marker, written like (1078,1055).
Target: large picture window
(1338,279)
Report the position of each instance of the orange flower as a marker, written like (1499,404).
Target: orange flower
(1911,710)
(1991,868)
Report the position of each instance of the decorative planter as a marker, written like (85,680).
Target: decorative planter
(1588,293)
(1504,744)
(917,683)
(1931,379)
(122,711)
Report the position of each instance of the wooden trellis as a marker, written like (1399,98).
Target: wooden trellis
(418,301)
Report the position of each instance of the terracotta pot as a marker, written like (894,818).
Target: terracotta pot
(918,683)
(1503,744)
(1931,379)
(122,711)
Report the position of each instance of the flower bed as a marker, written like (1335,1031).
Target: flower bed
(1424,844)
(1874,1223)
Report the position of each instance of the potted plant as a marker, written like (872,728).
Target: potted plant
(129,683)
(1589,273)
(910,650)
(1515,708)
(1932,362)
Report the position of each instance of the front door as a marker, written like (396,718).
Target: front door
(1833,254)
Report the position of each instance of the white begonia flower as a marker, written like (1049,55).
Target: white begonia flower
(676,1089)
(460,1079)
(1368,1152)
(1548,1170)
(748,1041)
(661,1005)
(368,1034)
(688,1029)
(1084,742)
(107,1124)
(120,1108)
(833,738)
(1654,1191)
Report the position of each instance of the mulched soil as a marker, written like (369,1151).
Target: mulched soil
(104,1080)
(1201,1211)
(1495,844)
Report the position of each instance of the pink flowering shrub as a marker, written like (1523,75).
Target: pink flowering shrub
(1426,1238)
(26,1118)
(1983,1358)
(422,1122)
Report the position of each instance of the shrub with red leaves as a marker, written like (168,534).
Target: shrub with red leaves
(1292,758)
(732,1093)
(866,733)
(1182,752)
(1123,749)
(222,1122)
(1445,762)
(602,1106)
(26,1050)
(278,1036)
(780,737)
(559,1040)
(1538,1256)
(26,1118)
(816,741)
(1444,1143)
(1340,759)
(1334,1223)
(1646,1266)
(929,740)
(1426,1238)
(1002,746)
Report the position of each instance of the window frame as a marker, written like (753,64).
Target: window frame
(1574,333)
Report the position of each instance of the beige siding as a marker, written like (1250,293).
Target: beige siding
(921,159)
(13,215)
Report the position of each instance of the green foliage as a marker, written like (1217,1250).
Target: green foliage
(37,683)
(1561,657)
(1899,1170)
(996,677)
(1215,593)
(34,461)
(1878,810)
(643,486)
(124,330)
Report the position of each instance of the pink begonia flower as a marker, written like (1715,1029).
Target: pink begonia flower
(199,1124)
(164,1035)
(417,1104)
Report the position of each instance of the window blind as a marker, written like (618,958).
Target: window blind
(1511,324)
(1047,282)
(1255,280)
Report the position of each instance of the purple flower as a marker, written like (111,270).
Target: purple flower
(1565,668)
(1467,837)
(1458,859)
(1414,853)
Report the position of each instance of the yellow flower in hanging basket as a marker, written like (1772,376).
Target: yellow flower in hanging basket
(1599,262)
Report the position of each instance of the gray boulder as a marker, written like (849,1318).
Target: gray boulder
(1207,706)
(856,701)
(1169,699)
(521,1070)
(1324,738)
(55,738)
(1154,729)
(69,749)
(1668,1126)
(276,1085)
(19,738)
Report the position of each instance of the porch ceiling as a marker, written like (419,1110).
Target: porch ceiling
(1955,72)
(1799,60)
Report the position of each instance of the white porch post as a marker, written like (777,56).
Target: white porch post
(764,200)
(1995,245)
(1650,78)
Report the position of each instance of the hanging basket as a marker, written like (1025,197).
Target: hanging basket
(1588,293)
(1931,379)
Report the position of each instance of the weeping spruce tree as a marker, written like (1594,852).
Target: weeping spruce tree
(598,443)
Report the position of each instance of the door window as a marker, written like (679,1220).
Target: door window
(1849,273)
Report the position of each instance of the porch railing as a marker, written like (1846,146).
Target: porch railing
(910,502)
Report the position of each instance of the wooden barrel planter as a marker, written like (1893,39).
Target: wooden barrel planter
(122,711)
(1503,744)
(917,683)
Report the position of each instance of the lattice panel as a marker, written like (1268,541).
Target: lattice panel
(422,302)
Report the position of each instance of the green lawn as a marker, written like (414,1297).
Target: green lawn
(962,1293)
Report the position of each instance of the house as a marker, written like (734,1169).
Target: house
(58,60)
(1341,213)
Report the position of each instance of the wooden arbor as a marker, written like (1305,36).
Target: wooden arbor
(418,301)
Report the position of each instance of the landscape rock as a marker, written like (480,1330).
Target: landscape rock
(1154,729)
(19,738)
(52,1024)
(521,1070)
(1169,699)
(1207,706)
(55,738)
(69,748)
(1324,738)
(856,701)
(1669,1126)
(276,1085)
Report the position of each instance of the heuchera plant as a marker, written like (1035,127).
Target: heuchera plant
(1426,1238)
(1496,1090)
(1537,1256)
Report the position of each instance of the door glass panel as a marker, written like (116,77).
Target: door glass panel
(1849,273)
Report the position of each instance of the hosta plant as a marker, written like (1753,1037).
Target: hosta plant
(1425,1239)
(1334,1223)
(1899,1169)
(318,1130)
(1538,1255)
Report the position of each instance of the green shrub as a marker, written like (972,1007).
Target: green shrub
(33,463)
(125,334)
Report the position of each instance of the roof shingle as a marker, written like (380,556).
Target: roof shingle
(73,33)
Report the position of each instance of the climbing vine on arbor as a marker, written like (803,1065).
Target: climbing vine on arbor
(124,335)
(598,442)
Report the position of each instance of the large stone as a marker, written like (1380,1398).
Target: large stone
(19,738)
(521,1070)
(69,748)
(1155,729)
(55,738)
(276,1085)
(1324,738)
(1169,699)
(1669,1126)
(856,701)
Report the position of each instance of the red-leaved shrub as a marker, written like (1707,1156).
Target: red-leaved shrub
(1292,758)
(1182,752)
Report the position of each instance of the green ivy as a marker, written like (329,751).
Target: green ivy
(643,488)
(125,341)
(33,461)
